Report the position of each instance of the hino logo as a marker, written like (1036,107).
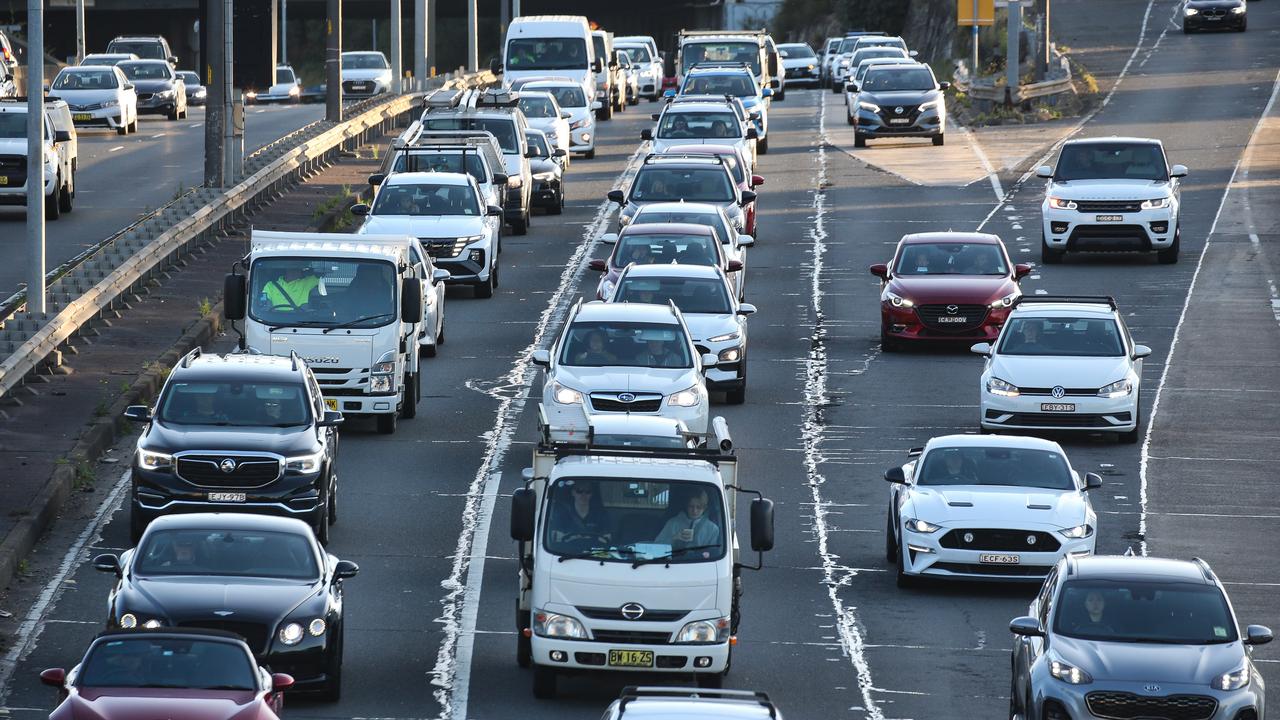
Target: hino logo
(628,398)
(322,360)
(227,465)
(1058,391)
(632,611)
(953,309)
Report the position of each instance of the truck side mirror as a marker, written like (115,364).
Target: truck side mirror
(493,211)
(523,507)
(762,524)
(500,178)
(61,136)
(597,66)
(377,179)
(541,357)
(495,66)
(774,84)
(617,196)
(411,300)
(752,134)
(646,134)
(234,290)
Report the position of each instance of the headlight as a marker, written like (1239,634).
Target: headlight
(897,300)
(1058,203)
(704,631)
(1190,11)
(1156,204)
(931,104)
(316,627)
(291,634)
(729,355)
(996,386)
(515,181)
(294,90)
(1005,301)
(565,395)
(165,94)
(921,526)
(559,626)
(152,624)
(1119,388)
(1232,680)
(1238,10)
(384,367)
(870,107)
(109,103)
(580,124)
(380,384)
(471,239)
(725,337)
(1078,532)
(128,620)
(686,398)
(304,463)
(154,461)
(844,62)
(810,66)
(1068,674)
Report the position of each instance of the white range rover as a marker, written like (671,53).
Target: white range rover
(1113,193)
(976,507)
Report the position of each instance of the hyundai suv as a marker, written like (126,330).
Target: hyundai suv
(1111,194)
(241,432)
(1134,637)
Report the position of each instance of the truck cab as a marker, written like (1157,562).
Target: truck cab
(629,554)
(753,47)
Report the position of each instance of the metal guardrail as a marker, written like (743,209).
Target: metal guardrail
(94,282)
(990,91)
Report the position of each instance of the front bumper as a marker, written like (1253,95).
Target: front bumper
(362,88)
(197,98)
(163,493)
(101,117)
(583,139)
(1142,230)
(1092,413)
(922,123)
(804,75)
(925,555)
(921,323)
(589,655)
(1227,21)
(156,105)
(1051,694)
(307,662)
(696,418)
(547,193)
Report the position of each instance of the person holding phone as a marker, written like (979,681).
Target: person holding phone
(691,528)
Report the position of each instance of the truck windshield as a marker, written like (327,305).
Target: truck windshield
(322,292)
(721,52)
(636,521)
(568,53)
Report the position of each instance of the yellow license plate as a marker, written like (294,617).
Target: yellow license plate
(81,117)
(4,179)
(631,658)
(331,403)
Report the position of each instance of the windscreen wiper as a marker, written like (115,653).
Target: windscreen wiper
(667,558)
(351,323)
(592,554)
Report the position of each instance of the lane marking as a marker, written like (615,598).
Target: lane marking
(159,135)
(114,149)
(992,175)
(452,671)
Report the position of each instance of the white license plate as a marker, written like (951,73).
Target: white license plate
(1108,218)
(899,121)
(953,319)
(359,87)
(226,497)
(1057,407)
(998,559)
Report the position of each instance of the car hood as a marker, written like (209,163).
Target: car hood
(433,226)
(962,290)
(1075,372)
(1150,662)
(284,441)
(104,703)
(383,74)
(799,62)
(84,97)
(182,599)
(634,379)
(151,86)
(1205,4)
(542,165)
(705,325)
(898,97)
(1110,189)
(1001,507)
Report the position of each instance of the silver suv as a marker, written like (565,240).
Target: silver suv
(1134,637)
(678,703)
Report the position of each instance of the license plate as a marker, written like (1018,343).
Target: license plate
(998,559)
(899,121)
(358,87)
(81,117)
(631,658)
(953,319)
(331,403)
(1108,218)
(4,179)
(1057,407)
(226,497)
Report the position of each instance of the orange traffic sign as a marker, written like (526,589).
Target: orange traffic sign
(985,11)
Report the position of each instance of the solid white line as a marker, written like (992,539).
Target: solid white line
(159,135)
(24,639)
(451,675)
(195,125)
(118,147)
(992,175)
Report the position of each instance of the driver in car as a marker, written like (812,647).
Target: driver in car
(585,517)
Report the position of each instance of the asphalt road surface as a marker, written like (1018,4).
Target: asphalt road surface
(430,627)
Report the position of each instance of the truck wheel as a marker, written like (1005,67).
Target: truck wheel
(412,392)
(53,203)
(387,423)
(123,129)
(544,682)
(558,207)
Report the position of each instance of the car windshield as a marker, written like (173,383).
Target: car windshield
(708,124)
(867,42)
(720,52)
(234,404)
(710,184)
(568,96)
(426,199)
(1093,161)
(634,520)
(617,440)
(284,75)
(1062,336)
(364,61)
(225,553)
(502,128)
(1013,467)
(873,53)
(621,344)
(798,51)
(639,53)
(664,249)
(144,70)
(167,662)
(866,65)
(691,295)
(847,45)
(148,50)
(85,80)
(538,141)
(535,106)
(1143,611)
(738,85)
(567,53)
(322,292)
(716,221)
(896,79)
(730,159)
(449,162)
(952,258)
(189,78)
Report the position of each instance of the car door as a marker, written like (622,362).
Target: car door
(1028,649)
(430,299)
(128,96)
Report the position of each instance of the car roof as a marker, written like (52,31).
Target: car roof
(1000,441)
(666,708)
(724,68)
(441,178)
(707,149)
(708,161)
(636,425)
(1064,308)
(674,270)
(678,206)
(666,228)
(697,106)
(157,38)
(1112,139)
(625,312)
(936,237)
(364,52)
(143,61)
(241,366)
(1130,567)
(227,521)
(78,68)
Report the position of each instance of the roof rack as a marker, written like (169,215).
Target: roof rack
(442,98)
(497,97)
(706,158)
(718,65)
(720,33)
(1045,299)
(632,693)
(186,359)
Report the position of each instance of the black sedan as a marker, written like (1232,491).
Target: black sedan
(1200,15)
(264,578)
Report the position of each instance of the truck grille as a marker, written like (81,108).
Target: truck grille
(14,167)
(246,470)
(627,637)
(1127,706)
(601,613)
(254,634)
(943,318)
(999,539)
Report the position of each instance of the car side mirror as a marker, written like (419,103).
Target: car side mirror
(360,209)
(332,418)
(655,116)
(500,178)
(609,238)
(598,264)
(532,153)
(880,270)
(757,180)
(761,524)
(746,309)
(766,93)
(709,361)
(646,134)
(493,211)
(234,292)
(1044,171)
(61,136)
(734,266)
(983,349)
(411,300)
(495,66)
(564,115)
(1021,270)
(541,358)
(54,677)
(440,274)
(345,570)
(752,134)
(851,87)
(748,197)
(377,179)
(107,563)
(1258,635)
(1026,626)
(560,152)
(1178,171)
(617,196)
(280,681)
(138,413)
(944,86)
(746,241)
(1092,481)
(596,104)
(1141,351)
(523,514)
(895,475)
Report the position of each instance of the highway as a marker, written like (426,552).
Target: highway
(430,624)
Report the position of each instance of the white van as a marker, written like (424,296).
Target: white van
(551,45)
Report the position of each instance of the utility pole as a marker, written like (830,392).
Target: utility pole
(973,69)
(473,37)
(284,33)
(515,8)
(35,151)
(1011,60)
(232,141)
(80,51)
(1044,56)
(431,36)
(420,71)
(504,16)
(333,62)
(397,52)
(215,105)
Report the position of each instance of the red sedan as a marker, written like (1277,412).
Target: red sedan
(739,167)
(147,674)
(946,286)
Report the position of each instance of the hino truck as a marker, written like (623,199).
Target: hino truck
(628,550)
(349,305)
(753,47)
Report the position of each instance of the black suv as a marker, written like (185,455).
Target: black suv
(240,432)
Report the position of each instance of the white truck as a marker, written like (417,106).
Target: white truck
(753,47)
(349,305)
(552,46)
(629,556)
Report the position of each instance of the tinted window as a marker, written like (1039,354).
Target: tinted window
(85,80)
(796,51)
(681,125)
(1089,161)
(721,52)
(537,107)
(504,129)
(1015,467)
(144,71)
(243,553)
(951,259)
(639,53)
(614,344)
(1081,337)
(1146,612)
(158,662)
(426,199)
(691,295)
(653,249)
(709,184)
(364,61)
(568,96)
(148,50)
(736,85)
(455,162)
(546,54)
(284,76)
(235,404)
(895,79)
(711,220)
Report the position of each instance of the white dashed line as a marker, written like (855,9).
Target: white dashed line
(118,147)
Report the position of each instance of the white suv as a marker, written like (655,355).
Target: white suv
(1112,193)
(60,147)
(1063,363)
(625,358)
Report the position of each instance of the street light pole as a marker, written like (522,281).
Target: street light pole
(284,32)
(397,52)
(35,157)
(473,39)
(333,61)
(420,71)
(80,51)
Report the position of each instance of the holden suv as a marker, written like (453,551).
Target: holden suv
(1111,193)
(1134,637)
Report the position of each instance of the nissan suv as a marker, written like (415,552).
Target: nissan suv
(1111,193)
(241,432)
(1134,637)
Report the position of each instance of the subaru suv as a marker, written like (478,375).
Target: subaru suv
(1134,637)
(734,80)
(1111,193)
(701,179)
(241,432)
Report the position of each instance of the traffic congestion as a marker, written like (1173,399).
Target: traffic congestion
(953,393)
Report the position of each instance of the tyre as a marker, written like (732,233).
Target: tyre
(1132,437)
(123,129)
(939,140)
(484,290)
(736,396)
(890,542)
(53,203)
(544,682)
(332,691)
(133,126)
(440,334)
(849,118)
(412,392)
(590,154)
(605,113)
(137,524)
(1243,26)
(888,343)
(321,526)
(762,146)
(558,207)
(333,501)
(782,94)
(64,202)
(428,350)
(173,116)
(524,645)
(1050,256)
(859,140)
(711,681)
(835,87)
(495,276)
(1185,30)
(1169,255)
(387,423)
